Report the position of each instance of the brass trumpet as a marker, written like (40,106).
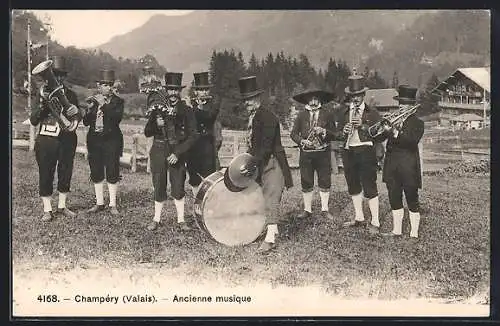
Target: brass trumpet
(58,102)
(386,124)
(318,144)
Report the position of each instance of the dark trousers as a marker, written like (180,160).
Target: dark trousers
(201,160)
(360,170)
(104,159)
(160,167)
(51,152)
(396,197)
(319,162)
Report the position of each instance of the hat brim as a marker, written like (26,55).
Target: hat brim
(405,99)
(175,86)
(347,91)
(245,96)
(324,96)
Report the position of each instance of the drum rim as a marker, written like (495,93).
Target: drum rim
(213,184)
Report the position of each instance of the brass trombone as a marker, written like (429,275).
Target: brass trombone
(386,124)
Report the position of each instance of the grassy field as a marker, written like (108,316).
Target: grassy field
(449,262)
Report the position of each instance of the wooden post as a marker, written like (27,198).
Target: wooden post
(421,154)
(135,144)
(148,147)
(32,128)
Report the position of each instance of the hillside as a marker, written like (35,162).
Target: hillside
(412,42)
(185,43)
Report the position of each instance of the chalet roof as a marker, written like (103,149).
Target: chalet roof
(467,117)
(480,76)
(382,97)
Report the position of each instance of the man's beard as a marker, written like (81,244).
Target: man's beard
(173,99)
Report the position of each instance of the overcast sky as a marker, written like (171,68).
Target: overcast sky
(89,28)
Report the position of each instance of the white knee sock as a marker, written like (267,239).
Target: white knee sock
(158,209)
(272,230)
(373,204)
(324,195)
(62,200)
(179,206)
(113,189)
(308,197)
(357,201)
(397,221)
(47,206)
(99,192)
(414,223)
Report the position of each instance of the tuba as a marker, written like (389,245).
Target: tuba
(58,102)
(387,123)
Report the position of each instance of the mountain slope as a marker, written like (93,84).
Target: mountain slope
(185,43)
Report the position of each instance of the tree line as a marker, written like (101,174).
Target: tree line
(279,74)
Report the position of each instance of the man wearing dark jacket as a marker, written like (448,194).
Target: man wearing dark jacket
(402,170)
(105,140)
(359,156)
(54,145)
(314,124)
(202,155)
(173,125)
(264,144)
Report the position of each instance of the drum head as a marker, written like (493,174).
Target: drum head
(234,218)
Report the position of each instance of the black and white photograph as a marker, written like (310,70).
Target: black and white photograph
(250,163)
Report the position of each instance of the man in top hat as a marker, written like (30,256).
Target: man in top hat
(104,140)
(359,155)
(402,170)
(54,146)
(173,125)
(202,155)
(314,120)
(264,144)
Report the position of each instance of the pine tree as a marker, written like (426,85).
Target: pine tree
(395,80)
(428,101)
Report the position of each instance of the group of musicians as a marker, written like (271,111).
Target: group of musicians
(185,142)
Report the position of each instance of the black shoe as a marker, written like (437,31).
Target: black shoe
(96,208)
(327,215)
(66,212)
(184,227)
(354,224)
(266,247)
(114,211)
(372,229)
(304,214)
(47,216)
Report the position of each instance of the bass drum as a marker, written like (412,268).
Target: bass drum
(230,218)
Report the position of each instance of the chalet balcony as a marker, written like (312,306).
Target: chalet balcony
(463,106)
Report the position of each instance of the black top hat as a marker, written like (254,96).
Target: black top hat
(406,94)
(173,80)
(201,80)
(306,95)
(248,87)
(106,76)
(59,65)
(356,85)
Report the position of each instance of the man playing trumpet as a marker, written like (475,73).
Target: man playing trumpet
(104,140)
(55,145)
(201,160)
(173,125)
(313,130)
(402,170)
(359,157)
